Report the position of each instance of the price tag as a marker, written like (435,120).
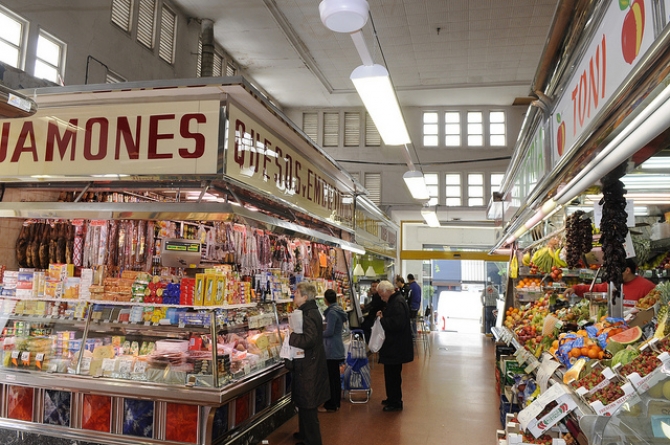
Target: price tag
(266,356)
(15,354)
(247,368)
(125,366)
(25,356)
(547,369)
(147,323)
(140,367)
(39,357)
(182,325)
(531,367)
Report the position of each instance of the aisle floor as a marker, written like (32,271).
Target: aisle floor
(449,399)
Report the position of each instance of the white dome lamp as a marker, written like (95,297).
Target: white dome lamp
(345,16)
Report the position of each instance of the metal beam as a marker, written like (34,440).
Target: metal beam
(450,255)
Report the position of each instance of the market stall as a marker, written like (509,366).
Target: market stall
(154,234)
(582,340)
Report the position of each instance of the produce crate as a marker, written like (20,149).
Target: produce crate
(546,410)
(506,407)
(643,383)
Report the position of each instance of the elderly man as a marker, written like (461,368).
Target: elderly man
(398,347)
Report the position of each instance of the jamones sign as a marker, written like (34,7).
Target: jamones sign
(167,138)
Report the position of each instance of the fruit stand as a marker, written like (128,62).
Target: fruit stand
(579,317)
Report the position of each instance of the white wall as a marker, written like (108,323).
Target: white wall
(86,27)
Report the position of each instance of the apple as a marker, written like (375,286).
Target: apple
(632,31)
(560,136)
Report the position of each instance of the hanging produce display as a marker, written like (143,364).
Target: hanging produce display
(578,237)
(613,228)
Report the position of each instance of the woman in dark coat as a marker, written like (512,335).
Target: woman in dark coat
(310,374)
(398,347)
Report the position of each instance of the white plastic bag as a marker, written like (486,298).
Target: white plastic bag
(290,352)
(377,336)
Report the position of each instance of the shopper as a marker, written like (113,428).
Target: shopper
(398,347)
(414,301)
(310,374)
(634,286)
(489,301)
(370,311)
(402,287)
(334,346)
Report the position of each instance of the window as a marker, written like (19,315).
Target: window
(352,129)
(12,30)
(230,69)
(453,189)
(122,11)
(475,189)
(146,21)
(112,77)
(310,123)
(497,126)
(199,63)
(433,186)
(217,65)
(168,34)
(331,129)
(496,181)
(372,136)
(452,129)
(475,129)
(373,184)
(430,138)
(50,58)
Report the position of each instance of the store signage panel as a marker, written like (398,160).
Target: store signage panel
(370,229)
(623,37)
(258,157)
(130,139)
(532,170)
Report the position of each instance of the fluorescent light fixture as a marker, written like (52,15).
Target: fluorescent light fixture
(370,273)
(373,84)
(358,270)
(657,163)
(416,184)
(652,121)
(430,216)
(352,248)
(344,16)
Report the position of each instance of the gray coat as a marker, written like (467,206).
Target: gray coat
(310,387)
(332,336)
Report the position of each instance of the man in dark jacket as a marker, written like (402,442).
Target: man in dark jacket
(334,346)
(310,374)
(398,347)
(370,309)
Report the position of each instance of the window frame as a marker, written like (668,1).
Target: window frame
(60,68)
(504,125)
(436,124)
(481,186)
(152,46)
(23,39)
(131,9)
(447,195)
(434,198)
(470,134)
(165,7)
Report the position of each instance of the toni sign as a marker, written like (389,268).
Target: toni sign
(624,35)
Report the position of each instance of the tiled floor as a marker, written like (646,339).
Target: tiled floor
(449,399)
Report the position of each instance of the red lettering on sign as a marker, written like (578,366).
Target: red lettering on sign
(278,176)
(590,87)
(103,135)
(298,180)
(240,133)
(69,138)
(266,158)
(198,138)
(155,136)
(27,132)
(123,132)
(4,141)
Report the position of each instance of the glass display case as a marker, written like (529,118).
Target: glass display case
(167,345)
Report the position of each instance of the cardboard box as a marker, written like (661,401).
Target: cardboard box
(528,417)
(641,318)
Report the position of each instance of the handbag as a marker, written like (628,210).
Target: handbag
(377,336)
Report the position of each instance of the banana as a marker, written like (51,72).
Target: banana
(514,267)
(526,259)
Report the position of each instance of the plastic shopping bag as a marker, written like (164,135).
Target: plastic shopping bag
(285,351)
(377,336)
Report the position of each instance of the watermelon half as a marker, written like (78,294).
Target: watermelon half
(628,336)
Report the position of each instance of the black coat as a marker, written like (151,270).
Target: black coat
(375,305)
(310,387)
(398,345)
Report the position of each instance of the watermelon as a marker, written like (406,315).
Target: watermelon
(628,336)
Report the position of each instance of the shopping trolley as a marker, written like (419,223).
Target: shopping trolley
(356,378)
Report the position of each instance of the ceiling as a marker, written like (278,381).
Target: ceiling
(438,52)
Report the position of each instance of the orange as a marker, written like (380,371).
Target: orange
(575,352)
(593,353)
(601,354)
(585,351)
